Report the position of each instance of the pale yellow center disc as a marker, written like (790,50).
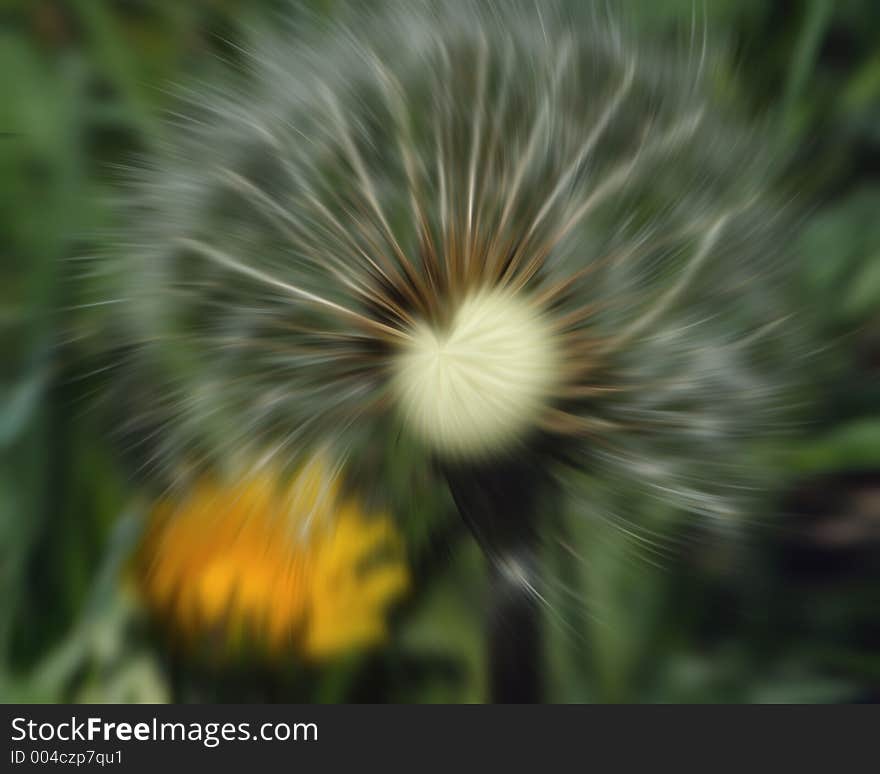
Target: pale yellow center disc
(476,387)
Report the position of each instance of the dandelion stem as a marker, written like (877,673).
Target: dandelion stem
(498,503)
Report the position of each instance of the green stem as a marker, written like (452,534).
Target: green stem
(499,503)
(816,19)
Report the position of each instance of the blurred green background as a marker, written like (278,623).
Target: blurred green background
(792,613)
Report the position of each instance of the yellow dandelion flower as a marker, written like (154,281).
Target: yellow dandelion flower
(291,564)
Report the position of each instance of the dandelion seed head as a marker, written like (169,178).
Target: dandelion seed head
(484,224)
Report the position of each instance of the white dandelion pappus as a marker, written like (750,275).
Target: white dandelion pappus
(494,227)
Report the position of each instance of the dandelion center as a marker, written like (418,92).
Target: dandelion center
(480,382)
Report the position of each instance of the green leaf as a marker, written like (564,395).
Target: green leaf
(854,445)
